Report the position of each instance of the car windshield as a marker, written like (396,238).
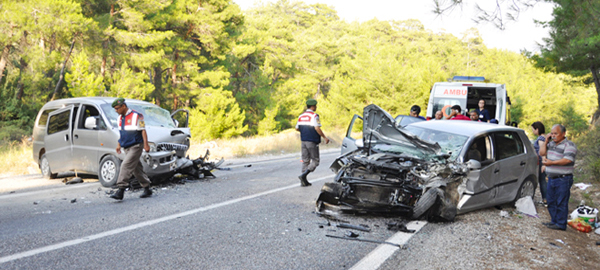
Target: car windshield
(404,150)
(153,115)
(449,142)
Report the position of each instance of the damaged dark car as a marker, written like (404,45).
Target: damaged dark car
(428,170)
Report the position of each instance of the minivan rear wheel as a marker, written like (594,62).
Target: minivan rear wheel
(108,173)
(45,168)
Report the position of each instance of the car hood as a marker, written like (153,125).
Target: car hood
(380,127)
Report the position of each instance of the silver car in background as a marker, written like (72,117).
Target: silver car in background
(81,134)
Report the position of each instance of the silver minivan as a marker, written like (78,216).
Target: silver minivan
(81,134)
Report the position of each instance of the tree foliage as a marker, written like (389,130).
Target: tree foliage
(250,73)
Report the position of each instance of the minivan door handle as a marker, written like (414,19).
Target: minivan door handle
(496,170)
(75,136)
(66,137)
(523,163)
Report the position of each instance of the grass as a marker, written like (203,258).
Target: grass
(16,157)
(285,142)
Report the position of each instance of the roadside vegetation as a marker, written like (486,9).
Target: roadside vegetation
(16,156)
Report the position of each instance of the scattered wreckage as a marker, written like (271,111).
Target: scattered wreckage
(197,168)
(393,170)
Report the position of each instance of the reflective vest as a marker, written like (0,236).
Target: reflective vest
(130,128)
(307,122)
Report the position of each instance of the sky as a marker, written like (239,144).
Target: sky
(519,35)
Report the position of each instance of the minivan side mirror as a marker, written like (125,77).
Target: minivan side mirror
(473,164)
(91,122)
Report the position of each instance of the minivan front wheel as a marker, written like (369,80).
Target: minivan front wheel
(108,173)
(45,168)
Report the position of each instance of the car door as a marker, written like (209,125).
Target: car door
(512,161)
(86,140)
(58,141)
(480,190)
(181,118)
(349,142)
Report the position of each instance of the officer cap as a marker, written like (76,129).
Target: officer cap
(311,102)
(118,101)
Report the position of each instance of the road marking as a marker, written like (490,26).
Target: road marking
(380,254)
(144,224)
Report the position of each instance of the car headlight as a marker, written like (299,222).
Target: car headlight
(152,146)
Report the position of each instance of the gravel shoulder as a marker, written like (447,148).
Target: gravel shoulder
(485,240)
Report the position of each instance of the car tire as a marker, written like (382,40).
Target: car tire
(108,172)
(425,202)
(527,189)
(45,168)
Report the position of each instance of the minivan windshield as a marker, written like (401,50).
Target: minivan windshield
(449,142)
(153,115)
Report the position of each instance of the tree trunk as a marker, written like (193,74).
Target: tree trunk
(174,81)
(596,115)
(62,71)
(23,65)
(4,60)
(157,85)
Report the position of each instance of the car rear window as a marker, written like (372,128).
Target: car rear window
(59,122)
(44,117)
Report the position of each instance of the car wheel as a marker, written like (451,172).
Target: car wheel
(45,168)
(108,173)
(527,189)
(425,202)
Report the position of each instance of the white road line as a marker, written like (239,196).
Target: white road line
(144,224)
(380,254)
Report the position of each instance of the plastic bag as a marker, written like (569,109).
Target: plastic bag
(525,205)
(580,225)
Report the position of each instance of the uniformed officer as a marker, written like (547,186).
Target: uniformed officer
(310,135)
(133,139)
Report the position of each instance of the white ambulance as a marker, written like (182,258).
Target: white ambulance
(466,91)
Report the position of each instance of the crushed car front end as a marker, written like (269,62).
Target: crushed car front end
(394,172)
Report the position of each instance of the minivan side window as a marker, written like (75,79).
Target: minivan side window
(507,144)
(87,111)
(44,117)
(58,122)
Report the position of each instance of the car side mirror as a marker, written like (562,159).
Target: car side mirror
(359,143)
(91,122)
(473,164)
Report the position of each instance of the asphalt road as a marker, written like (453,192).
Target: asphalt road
(254,216)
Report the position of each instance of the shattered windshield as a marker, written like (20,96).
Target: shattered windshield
(449,142)
(403,150)
(153,115)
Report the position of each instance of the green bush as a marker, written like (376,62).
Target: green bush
(12,133)
(588,155)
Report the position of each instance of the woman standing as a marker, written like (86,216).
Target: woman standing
(539,130)
(484,115)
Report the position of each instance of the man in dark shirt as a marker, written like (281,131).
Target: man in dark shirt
(133,140)
(309,126)
(415,110)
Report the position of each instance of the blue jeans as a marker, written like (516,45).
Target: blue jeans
(542,183)
(559,192)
